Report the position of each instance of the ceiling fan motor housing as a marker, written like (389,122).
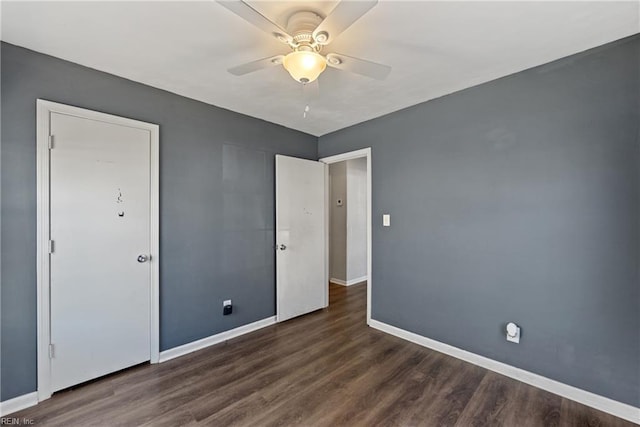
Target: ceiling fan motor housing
(301,25)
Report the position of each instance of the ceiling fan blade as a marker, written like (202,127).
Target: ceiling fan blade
(358,66)
(341,17)
(246,12)
(250,67)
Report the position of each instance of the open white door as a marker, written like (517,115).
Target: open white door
(301,221)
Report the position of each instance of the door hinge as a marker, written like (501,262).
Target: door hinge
(51,351)
(50,142)
(50,246)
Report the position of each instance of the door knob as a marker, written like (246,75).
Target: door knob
(143,258)
(282,247)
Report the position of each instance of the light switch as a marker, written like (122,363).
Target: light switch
(386,220)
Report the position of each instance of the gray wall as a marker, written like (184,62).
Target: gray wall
(348,223)
(216,203)
(517,200)
(338,221)
(356,218)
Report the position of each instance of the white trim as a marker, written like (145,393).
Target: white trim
(215,339)
(43,114)
(365,152)
(18,403)
(601,403)
(155,244)
(42,256)
(348,282)
(327,195)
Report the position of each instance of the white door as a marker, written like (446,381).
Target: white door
(301,221)
(100,227)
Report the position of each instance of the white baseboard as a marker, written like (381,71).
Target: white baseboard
(348,282)
(215,339)
(18,403)
(604,404)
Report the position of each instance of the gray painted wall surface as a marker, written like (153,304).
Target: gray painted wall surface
(517,200)
(356,218)
(348,223)
(216,203)
(338,221)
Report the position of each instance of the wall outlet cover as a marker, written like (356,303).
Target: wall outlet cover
(513,332)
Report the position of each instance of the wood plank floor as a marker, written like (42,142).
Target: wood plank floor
(323,369)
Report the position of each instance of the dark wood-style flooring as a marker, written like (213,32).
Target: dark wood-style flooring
(323,369)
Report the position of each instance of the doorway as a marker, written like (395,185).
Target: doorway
(350,222)
(98,258)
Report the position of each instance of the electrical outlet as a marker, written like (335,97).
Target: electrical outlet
(227,307)
(513,332)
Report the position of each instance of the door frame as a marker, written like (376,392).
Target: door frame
(43,263)
(366,153)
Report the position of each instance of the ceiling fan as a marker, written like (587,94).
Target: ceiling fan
(307,34)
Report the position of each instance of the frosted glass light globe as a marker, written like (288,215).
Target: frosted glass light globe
(304,66)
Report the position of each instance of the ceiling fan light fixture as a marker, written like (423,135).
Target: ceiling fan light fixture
(304,66)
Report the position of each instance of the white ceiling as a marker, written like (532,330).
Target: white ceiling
(435,48)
